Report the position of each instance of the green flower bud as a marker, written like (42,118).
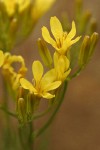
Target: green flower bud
(32,105)
(78,4)
(93,42)
(44,53)
(84,50)
(20,92)
(87,49)
(21,110)
(93,25)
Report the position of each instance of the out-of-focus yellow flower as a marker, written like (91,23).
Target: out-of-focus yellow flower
(11,5)
(18,19)
(61,67)
(63,40)
(11,75)
(1,58)
(40,7)
(41,84)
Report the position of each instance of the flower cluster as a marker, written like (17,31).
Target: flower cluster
(18,18)
(50,81)
(59,63)
(45,85)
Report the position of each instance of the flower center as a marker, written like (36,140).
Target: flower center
(60,40)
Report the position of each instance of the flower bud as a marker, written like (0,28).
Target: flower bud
(32,103)
(30,100)
(21,110)
(87,49)
(78,4)
(13,26)
(84,51)
(20,92)
(93,42)
(44,53)
(93,25)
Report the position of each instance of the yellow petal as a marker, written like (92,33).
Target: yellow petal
(66,74)
(66,45)
(52,86)
(55,58)
(75,40)
(16,58)
(47,95)
(41,6)
(68,42)
(23,4)
(11,5)
(49,77)
(72,33)
(56,28)
(37,70)
(66,61)
(47,37)
(27,85)
(15,82)
(59,63)
(1,58)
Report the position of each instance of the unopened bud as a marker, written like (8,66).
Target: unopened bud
(93,42)
(13,26)
(78,6)
(87,16)
(93,25)
(21,110)
(84,50)
(20,92)
(87,48)
(84,21)
(44,53)
(32,105)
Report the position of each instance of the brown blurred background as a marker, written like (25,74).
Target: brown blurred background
(77,124)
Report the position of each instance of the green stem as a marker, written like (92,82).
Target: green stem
(41,114)
(22,142)
(7,119)
(5,94)
(30,141)
(25,133)
(8,112)
(41,130)
(76,73)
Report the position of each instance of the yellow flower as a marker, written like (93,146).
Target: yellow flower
(63,40)
(42,84)
(40,7)
(12,75)
(11,5)
(61,67)
(1,58)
